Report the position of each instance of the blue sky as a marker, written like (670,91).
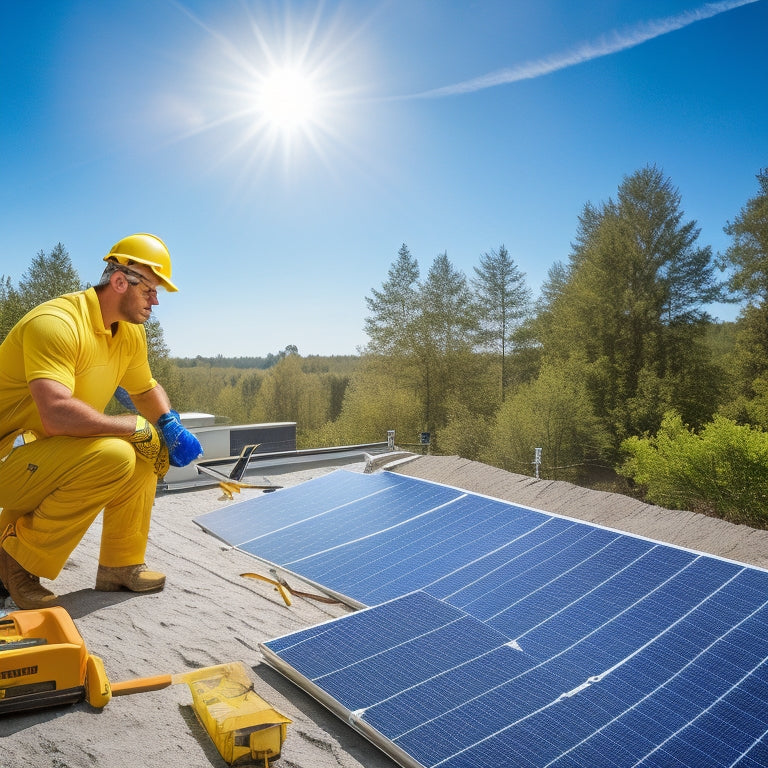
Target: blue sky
(445,125)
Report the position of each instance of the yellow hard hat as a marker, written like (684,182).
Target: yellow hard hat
(144,249)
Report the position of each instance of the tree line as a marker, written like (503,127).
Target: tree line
(616,370)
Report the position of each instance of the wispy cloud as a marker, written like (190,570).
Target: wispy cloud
(606,45)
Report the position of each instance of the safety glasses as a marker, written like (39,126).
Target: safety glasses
(150,290)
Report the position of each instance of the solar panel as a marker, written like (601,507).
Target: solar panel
(504,636)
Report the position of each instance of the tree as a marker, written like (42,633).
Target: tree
(48,277)
(158,355)
(502,303)
(443,338)
(11,308)
(376,400)
(287,393)
(425,331)
(748,253)
(747,257)
(553,413)
(394,308)
(630,307)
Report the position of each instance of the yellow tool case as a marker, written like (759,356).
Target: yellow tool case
(43,660)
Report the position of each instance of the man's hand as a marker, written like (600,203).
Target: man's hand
(149,446)
(183,446)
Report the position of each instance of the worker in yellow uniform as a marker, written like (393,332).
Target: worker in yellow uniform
(62,460)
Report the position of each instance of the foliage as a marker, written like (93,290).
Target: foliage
(11,309)
(502,302)
(553,413)
(47,277)
(747,257)
(377,400)
(260,363)
(630,308)
(721,470)
(425,328)
(466,432)
(748,252)
(395,308)
(752,410)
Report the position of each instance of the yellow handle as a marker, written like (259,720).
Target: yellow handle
(280,588)
(141,684)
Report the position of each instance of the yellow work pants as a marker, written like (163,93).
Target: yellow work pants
(53,489)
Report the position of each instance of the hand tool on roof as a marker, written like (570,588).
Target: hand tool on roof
(233,482)
(44,663)
(285,589)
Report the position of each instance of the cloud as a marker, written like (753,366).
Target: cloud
(613,43)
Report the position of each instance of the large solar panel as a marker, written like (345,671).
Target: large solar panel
(504,636)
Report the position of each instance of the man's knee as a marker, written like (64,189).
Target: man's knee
(116,456)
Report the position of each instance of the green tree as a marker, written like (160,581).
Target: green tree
(747,258)
(553,413)
(394,308)
(502,303)
(443,338)
(289,394)
(377,399)
(11,308)
(47,277)
(160,364)
(630,307)
(748,253)
(425,331)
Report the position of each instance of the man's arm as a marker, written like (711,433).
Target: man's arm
(63,414)
(152,404)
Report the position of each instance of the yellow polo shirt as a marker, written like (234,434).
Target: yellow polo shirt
(65,340)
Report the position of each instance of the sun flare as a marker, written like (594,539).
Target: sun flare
(279,88)
(288,99)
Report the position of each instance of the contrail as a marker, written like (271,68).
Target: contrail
(617,41)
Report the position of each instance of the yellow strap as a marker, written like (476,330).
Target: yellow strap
(278,585)
(284,587)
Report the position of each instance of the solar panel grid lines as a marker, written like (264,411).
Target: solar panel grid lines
(551,598)
(680,709)
(504,636)
(349,543)
(246,520)
(344,526)
(424,550)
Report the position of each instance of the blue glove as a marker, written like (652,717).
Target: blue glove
(183,446)
(122,397)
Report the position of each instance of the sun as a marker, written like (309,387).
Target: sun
(288,99)
(275,90)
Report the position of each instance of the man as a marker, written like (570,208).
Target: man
(62,460)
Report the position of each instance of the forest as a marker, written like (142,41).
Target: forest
(616,371)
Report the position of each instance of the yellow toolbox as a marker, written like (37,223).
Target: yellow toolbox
(43,660)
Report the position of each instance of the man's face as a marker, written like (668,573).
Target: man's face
(137,301)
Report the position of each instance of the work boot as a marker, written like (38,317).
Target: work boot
(135,578)
(24,587)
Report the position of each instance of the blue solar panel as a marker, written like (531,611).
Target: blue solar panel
(503,636)
(452,692)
